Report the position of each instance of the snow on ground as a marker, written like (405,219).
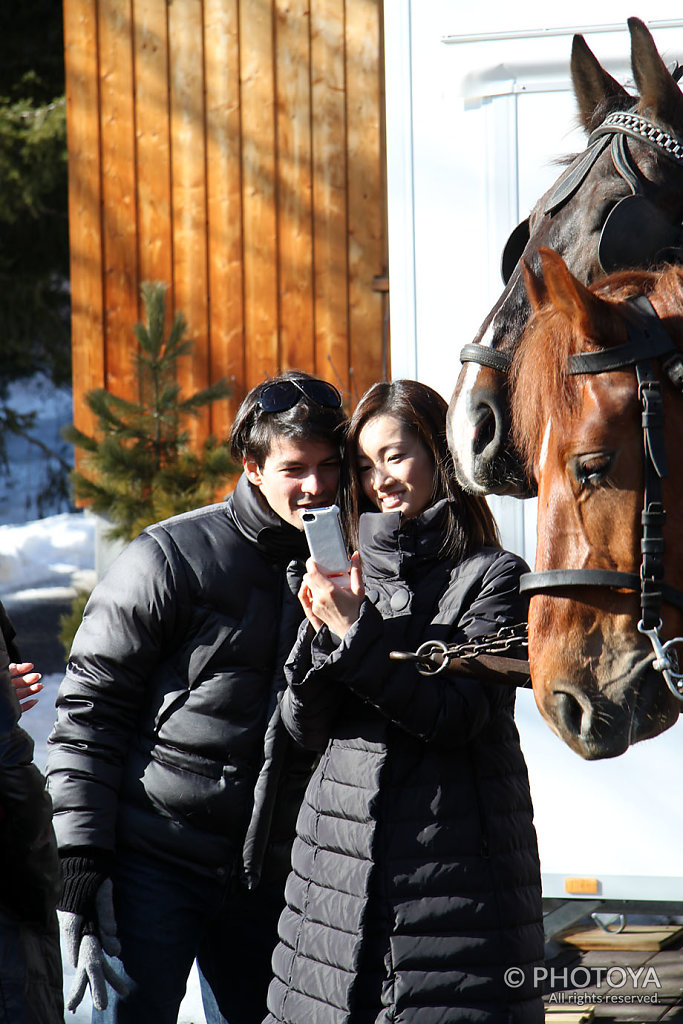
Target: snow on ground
(54,556)
(46,553)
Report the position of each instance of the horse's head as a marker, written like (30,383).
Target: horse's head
(578,420)
(581,217)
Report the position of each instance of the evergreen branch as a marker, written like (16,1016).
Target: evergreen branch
(214,392)
(141,468)
(77,438)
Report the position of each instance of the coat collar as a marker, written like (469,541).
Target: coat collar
(392,546)
(259,524)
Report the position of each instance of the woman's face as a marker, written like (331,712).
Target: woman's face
(396,469)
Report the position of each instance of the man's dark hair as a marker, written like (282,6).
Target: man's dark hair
(254,429)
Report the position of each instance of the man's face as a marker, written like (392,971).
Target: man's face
(296,475)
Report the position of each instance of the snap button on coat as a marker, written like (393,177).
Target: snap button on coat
(399,600)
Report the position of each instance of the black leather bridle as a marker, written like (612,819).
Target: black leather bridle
(635,234)
(647,341)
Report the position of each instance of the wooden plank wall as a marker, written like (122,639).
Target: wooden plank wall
(235,150)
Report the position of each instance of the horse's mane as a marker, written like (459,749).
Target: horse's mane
(540,385)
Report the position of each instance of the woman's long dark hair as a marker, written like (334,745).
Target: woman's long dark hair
(423,412)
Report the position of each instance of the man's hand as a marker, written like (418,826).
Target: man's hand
(86,952)
(93,970)
(26,682)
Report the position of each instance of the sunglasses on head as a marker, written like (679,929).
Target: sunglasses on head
(284,394)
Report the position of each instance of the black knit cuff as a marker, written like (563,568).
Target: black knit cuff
(81,879)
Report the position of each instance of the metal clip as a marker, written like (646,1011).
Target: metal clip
(431,657)
(666,658)
(434,656)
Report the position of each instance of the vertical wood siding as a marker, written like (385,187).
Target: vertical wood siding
(234,150)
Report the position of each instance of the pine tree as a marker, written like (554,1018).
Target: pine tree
(140,468)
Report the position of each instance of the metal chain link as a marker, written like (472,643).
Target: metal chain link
(433,656)
(639,127)
(507,638)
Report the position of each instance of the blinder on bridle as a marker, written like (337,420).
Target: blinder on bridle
(636,233)
(513,249)
(647,341)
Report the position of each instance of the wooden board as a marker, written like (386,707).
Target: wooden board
(365,184)
(119,193)
(295,189)
(330,193)
(224,205)
(566,1015)
(153,145)
(234,150)
(259,191)
(85,200)
(188,195)
(633,937)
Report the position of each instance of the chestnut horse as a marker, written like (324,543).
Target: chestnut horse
(598,415)
(618,205)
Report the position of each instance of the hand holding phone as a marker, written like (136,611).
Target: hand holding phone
(326,541)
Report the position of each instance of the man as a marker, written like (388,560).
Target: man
(30,959)
(175,787)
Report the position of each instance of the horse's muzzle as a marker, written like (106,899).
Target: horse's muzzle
(598,726)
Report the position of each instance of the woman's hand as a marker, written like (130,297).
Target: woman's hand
(325,601)
(26,683)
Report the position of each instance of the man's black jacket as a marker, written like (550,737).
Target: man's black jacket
(168,711)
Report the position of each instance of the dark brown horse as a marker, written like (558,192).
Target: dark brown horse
(597,403)
(619,204)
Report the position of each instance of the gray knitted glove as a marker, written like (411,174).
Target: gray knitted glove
(85,952)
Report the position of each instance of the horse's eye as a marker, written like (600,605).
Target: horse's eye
(591,470)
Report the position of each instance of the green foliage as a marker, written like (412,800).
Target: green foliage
(32,49)
(34,243)
(34,247)
(140,468)
(34,250)
(32,156)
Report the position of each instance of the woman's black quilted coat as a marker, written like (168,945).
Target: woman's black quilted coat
(415,879)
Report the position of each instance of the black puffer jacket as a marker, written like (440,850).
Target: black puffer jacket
(170,687)
(30,960)
(415,879)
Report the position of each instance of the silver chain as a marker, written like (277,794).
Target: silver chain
(638,127)
(433,656)
(506,639)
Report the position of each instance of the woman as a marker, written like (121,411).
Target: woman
(415,881)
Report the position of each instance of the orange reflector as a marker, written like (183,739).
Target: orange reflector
(587,886)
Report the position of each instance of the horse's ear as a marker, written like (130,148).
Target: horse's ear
(593,86)
(535,288)
(568,295)
(659,93)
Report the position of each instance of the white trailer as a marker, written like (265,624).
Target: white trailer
(479,105)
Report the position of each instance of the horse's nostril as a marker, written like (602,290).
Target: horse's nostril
(485,429)
(570,713)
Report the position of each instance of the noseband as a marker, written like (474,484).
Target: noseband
(635,233)
(647,341)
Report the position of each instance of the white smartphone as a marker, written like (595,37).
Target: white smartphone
(325,540)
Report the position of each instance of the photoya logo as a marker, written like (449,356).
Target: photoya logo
(593,978)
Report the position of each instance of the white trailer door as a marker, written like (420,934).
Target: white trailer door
(478,109)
